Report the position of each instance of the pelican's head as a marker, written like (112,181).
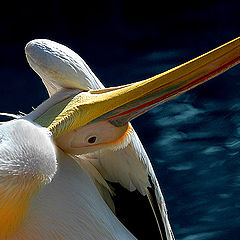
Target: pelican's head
(27,163)
(93,119)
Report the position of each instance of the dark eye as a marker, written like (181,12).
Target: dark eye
(92,140)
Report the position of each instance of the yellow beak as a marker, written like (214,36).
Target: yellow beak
(121,104)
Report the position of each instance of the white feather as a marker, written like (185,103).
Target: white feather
(60,67)
(26,149)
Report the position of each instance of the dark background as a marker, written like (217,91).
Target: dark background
(193,140)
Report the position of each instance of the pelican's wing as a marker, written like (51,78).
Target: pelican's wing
(131,168)
(59,67)
(63,72)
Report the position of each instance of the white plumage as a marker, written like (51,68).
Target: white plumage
(22,146)
(69,207)
(77,202)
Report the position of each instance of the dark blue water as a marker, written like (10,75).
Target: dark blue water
(194,143)
(193,140)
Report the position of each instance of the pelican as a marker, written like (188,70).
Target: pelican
(69,169)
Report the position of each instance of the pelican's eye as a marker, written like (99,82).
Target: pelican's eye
(92,139)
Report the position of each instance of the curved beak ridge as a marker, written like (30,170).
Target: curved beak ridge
(121,104)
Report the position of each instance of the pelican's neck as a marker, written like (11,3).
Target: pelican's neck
(70,208)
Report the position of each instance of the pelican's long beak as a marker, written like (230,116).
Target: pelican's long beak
(120,105)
